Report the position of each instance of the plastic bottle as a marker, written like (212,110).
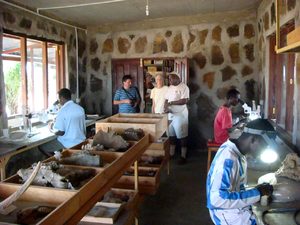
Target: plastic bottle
(258,109)
(253,105)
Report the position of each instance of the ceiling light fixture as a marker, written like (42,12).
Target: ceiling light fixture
(147,8)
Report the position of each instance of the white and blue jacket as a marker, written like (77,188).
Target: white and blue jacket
(226,179)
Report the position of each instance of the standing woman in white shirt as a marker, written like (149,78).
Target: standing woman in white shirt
(158,94)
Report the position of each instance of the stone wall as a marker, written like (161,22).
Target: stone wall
(221,55)
(266,25)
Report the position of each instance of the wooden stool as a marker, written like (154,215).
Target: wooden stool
(211,147)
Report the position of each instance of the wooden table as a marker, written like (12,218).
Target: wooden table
(10,148)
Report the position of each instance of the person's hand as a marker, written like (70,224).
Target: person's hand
(265,189)
(166,108)
(128,101)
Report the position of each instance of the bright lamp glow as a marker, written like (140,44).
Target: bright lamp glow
(254,116)
(268,156)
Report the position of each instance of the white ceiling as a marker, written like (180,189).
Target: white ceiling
(121,11)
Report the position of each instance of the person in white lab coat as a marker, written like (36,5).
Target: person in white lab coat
(227,199)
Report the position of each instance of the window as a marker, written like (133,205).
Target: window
(33,74)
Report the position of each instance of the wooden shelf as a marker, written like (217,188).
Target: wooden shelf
(72,205)
(295,47)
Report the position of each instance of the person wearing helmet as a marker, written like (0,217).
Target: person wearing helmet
(227,199)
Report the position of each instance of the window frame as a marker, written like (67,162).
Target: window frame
(60,65)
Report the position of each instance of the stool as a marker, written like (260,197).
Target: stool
(211,147)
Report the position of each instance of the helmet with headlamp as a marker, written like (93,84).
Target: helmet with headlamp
(264,129)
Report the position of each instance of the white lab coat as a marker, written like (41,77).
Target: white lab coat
(227,200)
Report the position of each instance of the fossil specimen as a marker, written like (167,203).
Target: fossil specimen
(82,158)
(31,215)
(290,167)
(110,140)
(131,134)
(58,176)
(4,205)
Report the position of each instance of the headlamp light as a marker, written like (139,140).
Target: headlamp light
(268,155)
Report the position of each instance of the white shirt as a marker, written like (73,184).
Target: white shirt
(71,120)
(175,93)
(158,96)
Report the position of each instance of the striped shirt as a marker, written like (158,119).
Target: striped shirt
(130,93)
(226,180)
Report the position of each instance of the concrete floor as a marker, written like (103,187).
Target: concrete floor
(181,198)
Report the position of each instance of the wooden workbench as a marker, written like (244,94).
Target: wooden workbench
(10,148)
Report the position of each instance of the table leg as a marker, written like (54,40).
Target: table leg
(3,162)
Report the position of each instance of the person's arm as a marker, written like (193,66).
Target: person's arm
(152,94)
(221,195)
(178,102)
(153,106)
(57,127)
(166,106)
(124,101)
(226,120)
(117,99)
(183,98)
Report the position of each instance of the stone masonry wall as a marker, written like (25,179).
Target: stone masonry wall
(221,55)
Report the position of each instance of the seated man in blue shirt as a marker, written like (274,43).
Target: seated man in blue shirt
(127,97)
(69,124)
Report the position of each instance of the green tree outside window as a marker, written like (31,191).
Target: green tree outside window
(12,82)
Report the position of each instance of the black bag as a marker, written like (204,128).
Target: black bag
(137,108)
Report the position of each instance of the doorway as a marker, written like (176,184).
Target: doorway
(143,72)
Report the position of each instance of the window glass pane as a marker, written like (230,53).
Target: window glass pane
(12,74)
(35,75)
(52,73)
(41,87)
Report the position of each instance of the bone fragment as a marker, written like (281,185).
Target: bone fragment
(15,196)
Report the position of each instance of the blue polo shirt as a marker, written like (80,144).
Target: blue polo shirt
(71,120)
(122,95)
